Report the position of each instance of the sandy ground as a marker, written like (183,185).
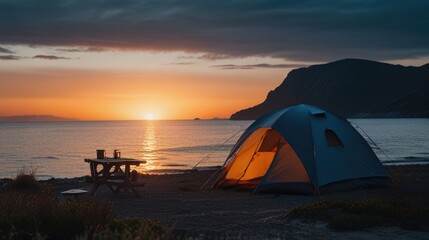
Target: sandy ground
(177,201)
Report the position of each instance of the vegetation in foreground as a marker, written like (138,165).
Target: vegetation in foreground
(404,205)
(348,215)
(30,210)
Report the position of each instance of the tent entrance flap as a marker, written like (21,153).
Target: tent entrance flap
(258,166)
(254,159)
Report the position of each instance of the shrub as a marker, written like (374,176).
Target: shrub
(26,215)
(26,181)
(343,215)
(78,217)
(133,228)
(31,210)
(23,214)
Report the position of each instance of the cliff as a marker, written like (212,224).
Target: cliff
(351,88)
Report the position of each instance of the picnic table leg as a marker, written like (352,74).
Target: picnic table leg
(126,177)
(128,180)
(127,171)
(105,176)
(94,174)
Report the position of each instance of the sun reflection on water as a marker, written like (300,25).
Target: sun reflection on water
(148,146)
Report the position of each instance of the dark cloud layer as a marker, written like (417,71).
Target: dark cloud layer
(261,65)
(49,57)
(9,57)
(309,30)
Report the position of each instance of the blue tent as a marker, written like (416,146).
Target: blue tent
(301,149)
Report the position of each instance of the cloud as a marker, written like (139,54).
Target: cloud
(183,63)
(312,30)
(82,49)
(261,65)
(49,57)
(9,57)
(4,50)
(214,56)
(207,56)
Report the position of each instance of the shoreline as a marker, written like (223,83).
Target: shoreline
(418,162)
(418,170)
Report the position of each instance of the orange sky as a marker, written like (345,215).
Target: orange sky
(128,85)
(93,87)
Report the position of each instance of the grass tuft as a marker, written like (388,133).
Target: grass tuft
(26,181)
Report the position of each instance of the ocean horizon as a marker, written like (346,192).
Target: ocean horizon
(57,149)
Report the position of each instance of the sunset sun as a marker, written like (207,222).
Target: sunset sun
(149,116)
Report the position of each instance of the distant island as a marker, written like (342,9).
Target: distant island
(35,118)
(210,119)
(352,88)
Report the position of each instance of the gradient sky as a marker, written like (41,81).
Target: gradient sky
(184,59)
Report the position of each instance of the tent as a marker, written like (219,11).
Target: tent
(301,149)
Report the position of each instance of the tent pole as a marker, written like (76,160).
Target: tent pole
(208,180)
(208,155)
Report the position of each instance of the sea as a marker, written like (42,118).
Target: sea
(58,149)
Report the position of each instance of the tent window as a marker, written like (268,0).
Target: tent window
(320,115)
(332,139)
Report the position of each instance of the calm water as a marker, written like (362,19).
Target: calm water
(57,149)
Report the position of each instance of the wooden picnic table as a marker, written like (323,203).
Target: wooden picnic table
(114,173)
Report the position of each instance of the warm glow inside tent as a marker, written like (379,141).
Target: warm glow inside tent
(301,149)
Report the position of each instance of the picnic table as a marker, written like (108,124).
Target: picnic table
(114,173)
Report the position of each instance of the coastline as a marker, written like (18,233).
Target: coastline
(177,201)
